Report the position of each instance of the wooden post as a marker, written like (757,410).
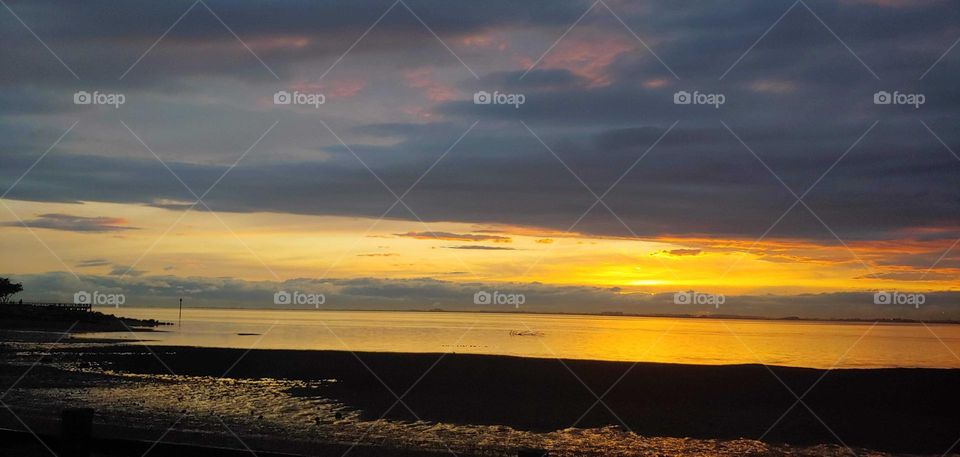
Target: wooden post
(76,429)
(180,315)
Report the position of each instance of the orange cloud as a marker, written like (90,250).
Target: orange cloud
(655,83)
(346,89)
(269,43)
(484,41)
(913,252)
(773,86)
(337,89)
(419,112)
(587,59)
(422,78)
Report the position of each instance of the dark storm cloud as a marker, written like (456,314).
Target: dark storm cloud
(102,39)
(799,100)
(877,191)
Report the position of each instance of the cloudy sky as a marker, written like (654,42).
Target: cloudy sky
(798,194)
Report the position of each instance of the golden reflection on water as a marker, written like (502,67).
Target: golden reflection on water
(669,340)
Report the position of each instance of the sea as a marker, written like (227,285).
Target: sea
(701,341)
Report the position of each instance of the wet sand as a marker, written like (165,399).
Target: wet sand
(893,410)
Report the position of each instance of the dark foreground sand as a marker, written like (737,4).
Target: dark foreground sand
(894,410)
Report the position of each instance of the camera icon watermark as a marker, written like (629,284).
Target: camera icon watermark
(83,297)
(114,99)
(899,298)
(698,98)
(285,298)
(898,98)
(697,298)
(483,97)
(282,97)
(496,298)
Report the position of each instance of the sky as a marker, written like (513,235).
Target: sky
(786,185)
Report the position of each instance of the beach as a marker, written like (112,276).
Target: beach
(300,401)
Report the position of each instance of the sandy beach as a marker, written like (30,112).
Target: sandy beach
(897,410)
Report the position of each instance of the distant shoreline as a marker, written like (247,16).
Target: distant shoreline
(600,314)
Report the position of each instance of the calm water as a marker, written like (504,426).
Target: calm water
(688,341)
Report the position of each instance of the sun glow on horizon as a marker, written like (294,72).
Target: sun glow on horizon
(260,245)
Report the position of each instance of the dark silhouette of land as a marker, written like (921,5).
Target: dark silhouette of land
(14,316)
(8,289)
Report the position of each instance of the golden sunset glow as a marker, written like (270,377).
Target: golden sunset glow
(264,246)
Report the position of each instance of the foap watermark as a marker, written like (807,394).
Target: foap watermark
(497,298)
(298,298)
(899,298)
(698,298)
(498,98)
(314,99)
(83,297)
(899,98)
(115,99)
(683,97)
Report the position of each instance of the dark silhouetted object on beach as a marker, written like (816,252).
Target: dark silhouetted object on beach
(76,427)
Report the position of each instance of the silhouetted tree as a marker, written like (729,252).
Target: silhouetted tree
(8,289)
